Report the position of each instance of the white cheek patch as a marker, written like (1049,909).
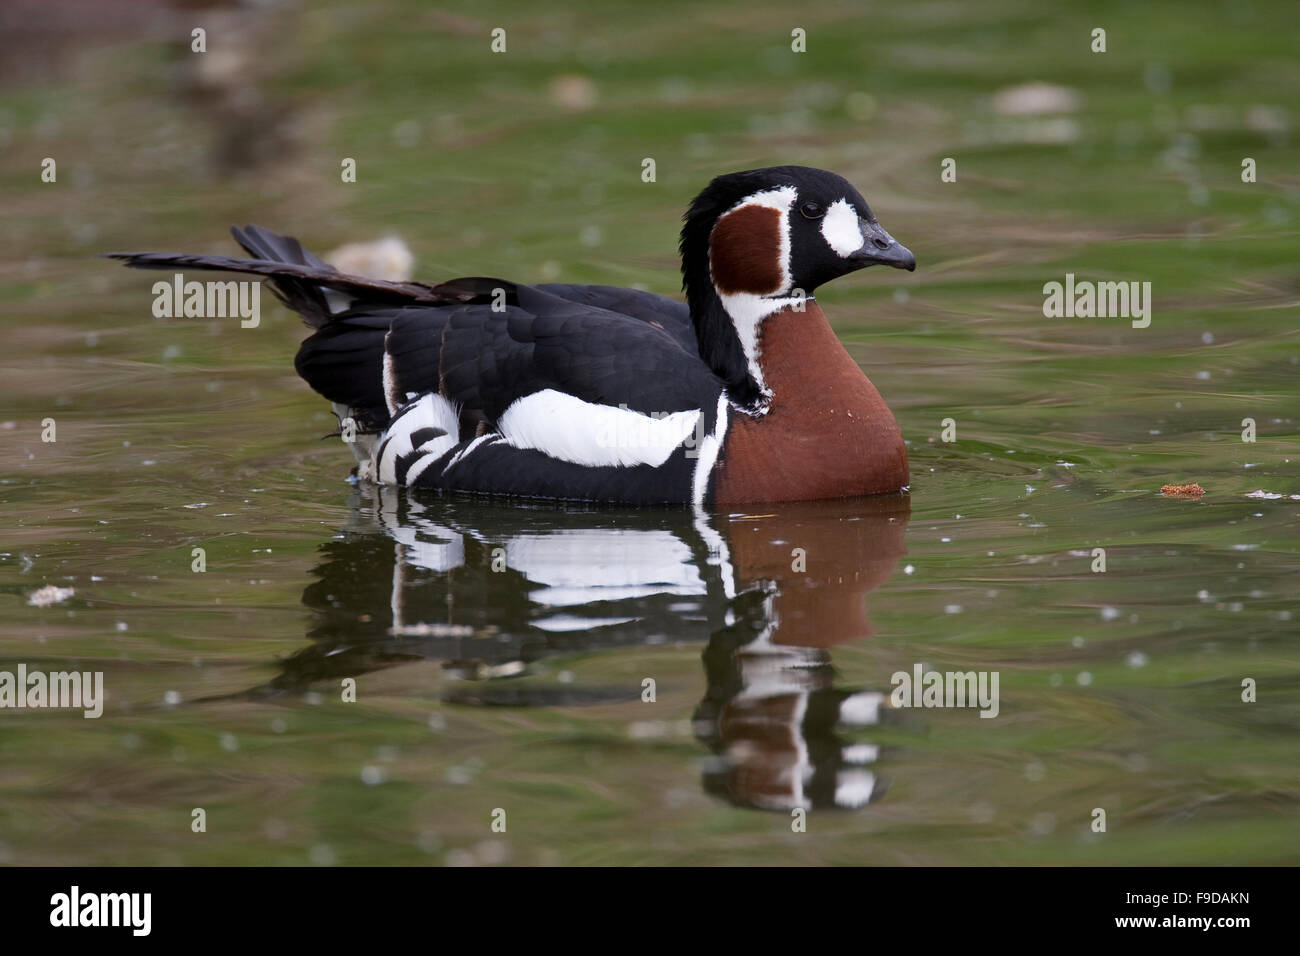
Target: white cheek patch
(597,436)
(840,228)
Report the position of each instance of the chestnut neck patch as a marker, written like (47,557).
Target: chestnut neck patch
(745,251)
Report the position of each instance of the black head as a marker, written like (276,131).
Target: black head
(772,231)
(770,234)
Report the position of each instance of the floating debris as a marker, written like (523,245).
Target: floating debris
(387,258)
(1182,491)
(49,595)
(1036,99)
(573,92)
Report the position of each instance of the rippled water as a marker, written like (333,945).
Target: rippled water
(500,652)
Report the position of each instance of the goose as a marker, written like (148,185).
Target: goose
(742,394)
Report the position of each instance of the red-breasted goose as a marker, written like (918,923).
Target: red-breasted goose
(743,394)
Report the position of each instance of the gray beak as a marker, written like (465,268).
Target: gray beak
(880,247)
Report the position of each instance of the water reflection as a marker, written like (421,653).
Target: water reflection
(487,589)
(771,710)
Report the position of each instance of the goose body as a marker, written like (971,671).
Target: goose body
(741,394)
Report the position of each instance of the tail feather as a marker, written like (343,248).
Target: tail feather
(306,298)
(263,244)
(298,278)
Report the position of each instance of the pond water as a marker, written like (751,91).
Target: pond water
(500,653)
(343,674)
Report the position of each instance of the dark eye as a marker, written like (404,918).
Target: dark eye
(812,210)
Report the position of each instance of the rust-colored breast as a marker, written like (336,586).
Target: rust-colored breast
(827,434)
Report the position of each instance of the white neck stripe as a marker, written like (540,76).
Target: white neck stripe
(747,310)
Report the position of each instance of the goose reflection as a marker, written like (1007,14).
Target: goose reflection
(488,590)
(771,711)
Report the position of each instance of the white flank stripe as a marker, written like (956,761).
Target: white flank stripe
(596,436)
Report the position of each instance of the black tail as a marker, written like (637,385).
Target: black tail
(344,359)
(298,278)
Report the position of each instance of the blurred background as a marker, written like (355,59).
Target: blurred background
(1121,690)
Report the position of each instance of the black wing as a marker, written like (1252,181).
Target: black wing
(484,360)
(670,315)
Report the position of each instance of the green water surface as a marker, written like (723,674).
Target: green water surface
(500,652)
